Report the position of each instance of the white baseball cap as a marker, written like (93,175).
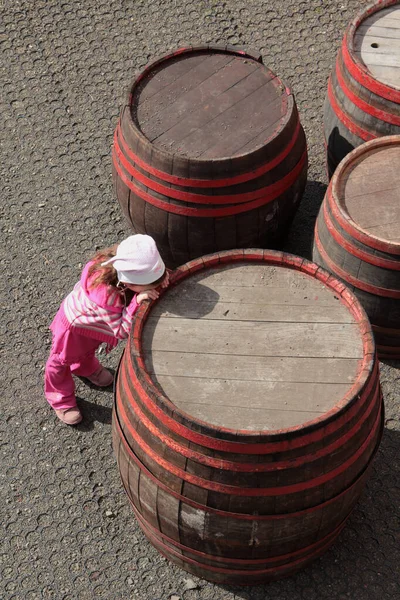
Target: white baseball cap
(137,260)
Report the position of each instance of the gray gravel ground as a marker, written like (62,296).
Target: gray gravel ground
(68,530)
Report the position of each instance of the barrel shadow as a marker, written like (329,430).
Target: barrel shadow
(395,364)
(365,557)
(338,147)
(93,412)
(301,234)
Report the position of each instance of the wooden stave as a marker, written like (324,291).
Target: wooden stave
(121,445)
(382,311)
(281,211)
(342,250)
(198,168)
(270,223)
(181,238)
(379,310)
(381,261)
(296,488)
(293,448)
(158,436)
(247,577)
(289,140)
(339,138)
(330,514)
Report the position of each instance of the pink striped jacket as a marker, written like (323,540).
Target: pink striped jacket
(98,312)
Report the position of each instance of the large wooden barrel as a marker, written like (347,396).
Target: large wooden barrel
(357,235)
(363,99)
(247,412)
(209,153)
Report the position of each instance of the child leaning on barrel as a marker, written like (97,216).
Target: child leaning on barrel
(98,310)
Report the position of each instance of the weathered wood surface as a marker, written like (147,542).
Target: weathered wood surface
(252,493)
(252,347)
(205,115)
(213,109)
(362,101)
(377,44)
(372,192)
(254,338)
(357,235)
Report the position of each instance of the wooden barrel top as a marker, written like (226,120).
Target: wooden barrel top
(371,189)
(252,347)
(377,44)
(207,105)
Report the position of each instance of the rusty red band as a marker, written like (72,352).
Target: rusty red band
(350,227)
(339,272)
(241,447)
(388,352)
(361,75)
(276,190)
(376,261)
(345,119)
(218,463)
(239,198)
(246,491)
(207,183)
(362,104)
(168,550)
(386,330)
(156,533)
(222,513)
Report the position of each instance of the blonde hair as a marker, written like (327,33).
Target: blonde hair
(99,273)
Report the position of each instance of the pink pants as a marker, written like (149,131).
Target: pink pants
(71,353)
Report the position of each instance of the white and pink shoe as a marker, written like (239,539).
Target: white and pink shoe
(69,416)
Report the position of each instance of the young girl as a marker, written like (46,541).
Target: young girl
(98,310)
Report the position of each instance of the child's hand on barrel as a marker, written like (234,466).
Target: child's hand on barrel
(165,281)
(147,295)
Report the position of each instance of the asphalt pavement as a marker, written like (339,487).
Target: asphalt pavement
(68,530)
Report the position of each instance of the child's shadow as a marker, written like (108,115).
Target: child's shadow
(91,413)
(94,412)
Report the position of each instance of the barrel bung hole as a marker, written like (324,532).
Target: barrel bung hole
(374,45)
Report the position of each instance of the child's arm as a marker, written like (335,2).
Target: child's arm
(121,325)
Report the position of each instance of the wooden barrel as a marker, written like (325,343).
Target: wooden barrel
(363,99)
(247,412)
(357,235)
(209,153)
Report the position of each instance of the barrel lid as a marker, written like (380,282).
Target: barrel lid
(261,345)
(209,104)
(377,43)
(351,53)
(366,188)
